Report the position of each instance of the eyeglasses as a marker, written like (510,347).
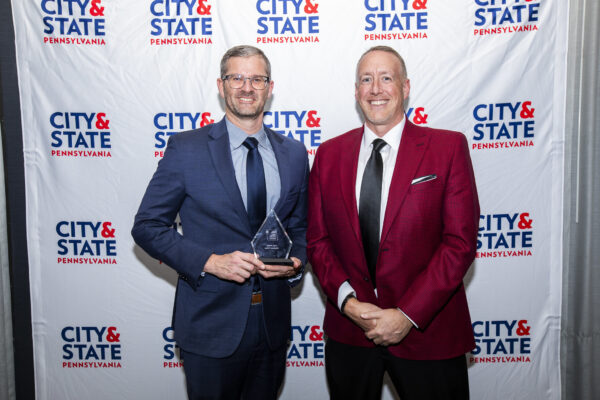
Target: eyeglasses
(237,81)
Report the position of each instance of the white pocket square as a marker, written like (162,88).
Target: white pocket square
(422,179)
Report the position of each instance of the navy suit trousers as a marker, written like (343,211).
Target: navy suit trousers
(253,371)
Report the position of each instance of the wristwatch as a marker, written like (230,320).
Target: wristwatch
(350,296)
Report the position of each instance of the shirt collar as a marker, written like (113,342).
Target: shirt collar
(392,137)
(237,135)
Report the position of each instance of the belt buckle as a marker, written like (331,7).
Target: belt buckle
(256,298)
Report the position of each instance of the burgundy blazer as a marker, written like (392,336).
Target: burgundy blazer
(427,243)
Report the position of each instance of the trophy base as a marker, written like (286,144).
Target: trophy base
(277,261)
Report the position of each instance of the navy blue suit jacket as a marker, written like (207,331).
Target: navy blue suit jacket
(196,179)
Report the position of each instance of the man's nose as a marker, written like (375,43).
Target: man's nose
(376,86)
(247,84)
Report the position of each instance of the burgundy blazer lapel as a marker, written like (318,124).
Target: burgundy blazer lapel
(412,148)
(348,166)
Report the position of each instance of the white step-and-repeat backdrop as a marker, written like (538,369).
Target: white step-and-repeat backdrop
(104,83)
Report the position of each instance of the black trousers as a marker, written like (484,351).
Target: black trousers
(252,372)
(357,373)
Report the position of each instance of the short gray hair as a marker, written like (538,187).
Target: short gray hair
(243,51)
(387,49)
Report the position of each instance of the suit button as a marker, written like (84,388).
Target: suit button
(366,278)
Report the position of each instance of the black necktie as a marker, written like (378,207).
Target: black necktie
(370,205)
(256,202)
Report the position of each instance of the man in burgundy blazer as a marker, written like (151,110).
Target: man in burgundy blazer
(409,316)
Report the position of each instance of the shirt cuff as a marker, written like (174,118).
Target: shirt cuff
(411,321)
(343,292)
(295,278)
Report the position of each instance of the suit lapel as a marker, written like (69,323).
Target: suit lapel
(412,148)
(219,150)
(282,157)
(348,166)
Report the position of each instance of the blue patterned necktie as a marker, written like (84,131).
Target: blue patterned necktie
(256,189)
(256,202)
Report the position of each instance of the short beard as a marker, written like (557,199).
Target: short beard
(244,115)
(252,115)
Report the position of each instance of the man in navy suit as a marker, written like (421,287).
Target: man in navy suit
(232,312)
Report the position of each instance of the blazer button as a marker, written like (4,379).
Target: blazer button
(366,278)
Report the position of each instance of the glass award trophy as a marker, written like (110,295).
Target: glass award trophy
(271,244)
